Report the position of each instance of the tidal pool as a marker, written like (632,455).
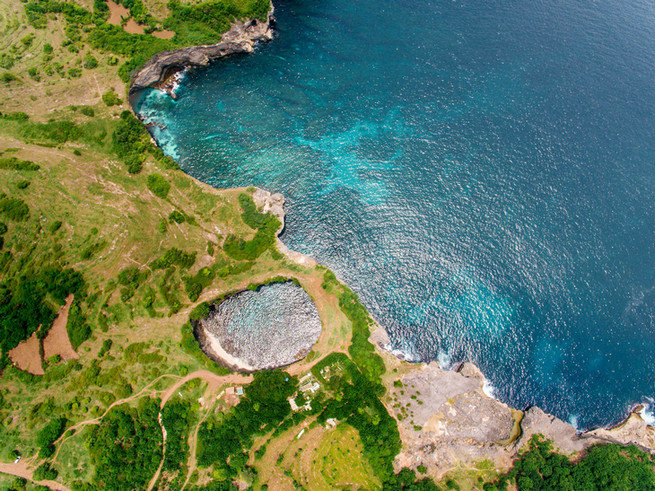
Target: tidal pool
(272,326)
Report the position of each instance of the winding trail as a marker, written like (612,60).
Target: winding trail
(214,381)
(25,468)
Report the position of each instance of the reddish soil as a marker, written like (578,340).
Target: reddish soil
(27,356)
(22,469)
(163,34)
(133,28)
(117,13)
(57,342)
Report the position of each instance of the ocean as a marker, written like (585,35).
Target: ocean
(482,174)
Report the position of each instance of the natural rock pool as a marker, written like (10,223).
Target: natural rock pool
(272,326)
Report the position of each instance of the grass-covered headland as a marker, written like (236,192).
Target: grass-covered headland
(94,217)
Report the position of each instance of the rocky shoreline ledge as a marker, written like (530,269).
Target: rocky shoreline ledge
(446,420)
(240,39)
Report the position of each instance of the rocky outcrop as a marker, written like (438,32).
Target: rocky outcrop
(274,204)
(241,38)
(447,421)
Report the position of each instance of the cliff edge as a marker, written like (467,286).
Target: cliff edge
(240,39)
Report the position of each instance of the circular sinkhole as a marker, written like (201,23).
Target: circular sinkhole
(272,326)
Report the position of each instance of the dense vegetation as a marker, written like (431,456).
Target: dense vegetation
(603,467)
(224,441)
(266,226)
(77,326)
(194,24)
(356,401)
(126,448)
(24,304)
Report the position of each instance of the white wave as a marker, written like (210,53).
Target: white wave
(573,419)
(488,389)
(647,412)
(444,360)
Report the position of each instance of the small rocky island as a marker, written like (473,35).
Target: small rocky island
(270,327)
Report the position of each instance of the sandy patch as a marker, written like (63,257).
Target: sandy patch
(133,28)
(27,356)
(163,34)
(117,13)
(57,342)
(220,355)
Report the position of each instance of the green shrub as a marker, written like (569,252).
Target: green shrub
(47,48)
(130,141)
(266,225)
(12,163)
(16,116)
(8,77)
(200,311)
(34,74)
(48,434)
(110,98)
(3,228)
(54,226)
(14,209)
(90,61)
(174,256)
(77,326)
(23,184)
(45,473)
(87,111)
(74,72)
(158,185)
(175,216)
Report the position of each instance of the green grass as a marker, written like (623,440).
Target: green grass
(339,461)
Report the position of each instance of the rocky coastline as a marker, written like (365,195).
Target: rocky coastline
(240,39)
(455,423)
(446,419)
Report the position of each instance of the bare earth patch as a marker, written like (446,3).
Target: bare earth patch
(117,13)
(163,34)
(57,342)
(133,28)
(27,356)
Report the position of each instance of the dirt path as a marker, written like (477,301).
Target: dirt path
(57,342)
(95,421)
(193,444)
(21,469)
(164,434)
(214,381)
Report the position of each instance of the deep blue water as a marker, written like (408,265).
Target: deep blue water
(482,173)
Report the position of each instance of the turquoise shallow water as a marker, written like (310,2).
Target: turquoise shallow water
(481,173)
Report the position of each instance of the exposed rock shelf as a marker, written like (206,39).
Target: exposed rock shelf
(446,419)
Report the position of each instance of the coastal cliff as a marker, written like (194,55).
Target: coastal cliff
(240,39)
(447,420)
